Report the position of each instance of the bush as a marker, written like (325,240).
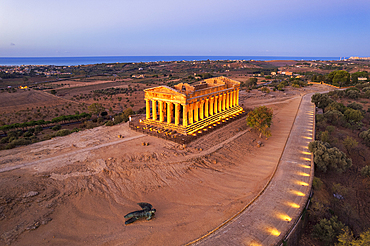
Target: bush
(355,106)
(109,123)
(334,117)
(321,100)
(28,134)
(18,142)
(352,94)
(365,89)
(265,90)
(365,171)
(353,115)
(62,132)
(336,106)
(56,128)
(327,157)
(328,230)
(317,183)
(365,135)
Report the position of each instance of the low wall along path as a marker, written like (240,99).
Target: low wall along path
(269,219)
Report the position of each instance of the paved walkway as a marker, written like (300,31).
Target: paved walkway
(270,217)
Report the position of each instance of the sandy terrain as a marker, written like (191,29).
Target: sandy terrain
(76,189)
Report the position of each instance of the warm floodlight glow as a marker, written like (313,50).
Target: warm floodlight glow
(305,159)
(303,174)
(273,232)
(304,166)
(255,244)
(298,193)
(292,204)
(306,137)
(306,153)
(301,183)
(283,217)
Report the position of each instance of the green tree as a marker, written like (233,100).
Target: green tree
(328,230)
(327,157)
(346,238)
(260,119)
(96,108)
(324,137)
(354,115)
(350,143)
(54,92)
(321,100)
(339,78)
(252,82)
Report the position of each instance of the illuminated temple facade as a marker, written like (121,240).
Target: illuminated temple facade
(189,109)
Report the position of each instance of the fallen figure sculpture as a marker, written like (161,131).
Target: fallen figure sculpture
(147,212)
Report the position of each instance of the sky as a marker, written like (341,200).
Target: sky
(325,28)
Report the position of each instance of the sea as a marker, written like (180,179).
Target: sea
(86,60)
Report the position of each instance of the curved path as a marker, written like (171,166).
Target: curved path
(268,219)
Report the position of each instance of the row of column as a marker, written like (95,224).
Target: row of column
(192,112)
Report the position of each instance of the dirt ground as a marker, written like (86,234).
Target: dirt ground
(76,189)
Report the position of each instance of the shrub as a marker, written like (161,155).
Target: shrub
(365,89)
(317,183)
(330,129)
(354,115)
(365,135)
(328,230)
(18,142)
(109,123)
(365,171)
(352,94)
(265,90)
(56,128)
(62,132)
(350,143)
(334,117)
(28,134)
(327,157)
(324,136)
(335,106)
(355,106)
(321,100)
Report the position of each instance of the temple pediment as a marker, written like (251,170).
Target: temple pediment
(163,89)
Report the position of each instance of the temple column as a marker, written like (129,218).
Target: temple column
(161,116)
(224,101)
(216,102)
(219,104)
(206,108)
(237,97)
(201,111)
(154,109)
(169,112)
(177,114)
(211,103)
(147,102)
(234,98)
(185,115)
(228,100)
(191,119)
(196,111)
